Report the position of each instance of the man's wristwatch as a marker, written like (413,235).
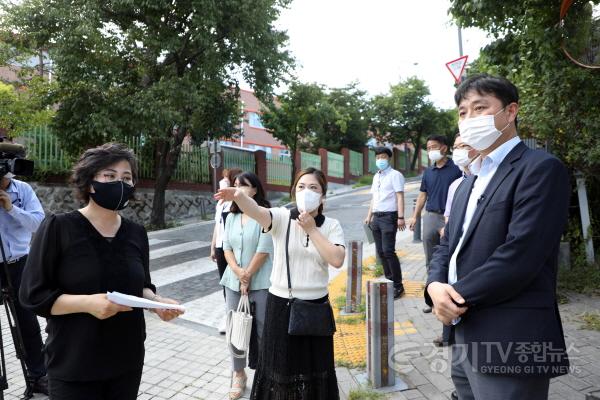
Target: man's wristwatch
(400,217)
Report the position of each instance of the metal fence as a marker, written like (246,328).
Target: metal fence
(43,148)
(356,163)
(144,155)
(310,160)
(424,159)
(238,158)
(335,165)
(279,170)
(372,164)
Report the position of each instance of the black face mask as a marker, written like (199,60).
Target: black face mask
(111,195)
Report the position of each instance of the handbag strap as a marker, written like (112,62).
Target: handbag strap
(287,258)
(243,305)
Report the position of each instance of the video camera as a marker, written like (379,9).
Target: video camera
(12,159)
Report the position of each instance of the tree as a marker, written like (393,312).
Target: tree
(349,123)
(559,100)
(21,108)
(298,116)
(406,115)
(154,68)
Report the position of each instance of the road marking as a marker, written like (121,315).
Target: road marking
(152,242)
(180,272)
(178,248)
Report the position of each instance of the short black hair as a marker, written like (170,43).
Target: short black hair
(381,150)
(441,139)
(254,181)
(95,160)
(501,88)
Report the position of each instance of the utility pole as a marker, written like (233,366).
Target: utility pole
(242,126)
(460,44)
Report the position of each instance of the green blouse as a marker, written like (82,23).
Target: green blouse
(245,242)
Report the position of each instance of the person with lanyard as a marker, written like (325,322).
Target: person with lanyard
(305,243)
(216,247)
(386,216)
(249,254)
(95,348)
(20,216)
(433,195)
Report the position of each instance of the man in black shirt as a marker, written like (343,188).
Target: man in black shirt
(434,192)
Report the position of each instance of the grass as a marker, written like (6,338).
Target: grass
(584,279)
(365,394)
(350,364)
(284,200)
(591,321)
(378,270)
(365,180)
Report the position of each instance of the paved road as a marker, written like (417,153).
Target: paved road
(182,269)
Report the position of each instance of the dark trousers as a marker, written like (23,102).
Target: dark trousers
(384,227)
(28,323)
(221,263)
(124,387)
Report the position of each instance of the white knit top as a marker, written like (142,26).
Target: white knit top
(308,270)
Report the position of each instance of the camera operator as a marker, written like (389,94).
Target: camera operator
(20,215)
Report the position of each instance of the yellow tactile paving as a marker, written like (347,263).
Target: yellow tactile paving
(350,340)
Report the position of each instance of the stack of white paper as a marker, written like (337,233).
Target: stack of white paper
(139,302)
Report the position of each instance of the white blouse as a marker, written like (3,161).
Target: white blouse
(308,270)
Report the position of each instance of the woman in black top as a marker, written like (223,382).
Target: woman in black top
(95,348)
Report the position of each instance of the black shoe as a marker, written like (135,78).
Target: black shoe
(398,293)
(453,395)
(439,342)
(427,310)
(38,385)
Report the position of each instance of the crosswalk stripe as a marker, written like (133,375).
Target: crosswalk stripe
(153,242)
(178,248)
(182,271)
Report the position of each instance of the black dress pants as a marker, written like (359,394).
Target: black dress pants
(384,227)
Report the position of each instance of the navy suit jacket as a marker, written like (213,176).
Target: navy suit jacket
(507,266)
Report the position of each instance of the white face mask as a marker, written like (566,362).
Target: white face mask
(435,155)
(307,200)
(9,175)
(461,157)
(480,132)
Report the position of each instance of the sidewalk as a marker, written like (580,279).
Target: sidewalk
(425,368)
(186,360)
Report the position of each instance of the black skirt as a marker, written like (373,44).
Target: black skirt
(293,367)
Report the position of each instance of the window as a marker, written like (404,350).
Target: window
(254,120)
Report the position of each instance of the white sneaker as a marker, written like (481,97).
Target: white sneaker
(222,328)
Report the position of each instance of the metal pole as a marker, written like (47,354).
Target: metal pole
(460,44)
(354,281)
(242,126)
(380,333)
(584,212)
(417,231)
(215,168)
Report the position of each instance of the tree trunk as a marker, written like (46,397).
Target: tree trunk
(293,157)
(413,164)
(168,155)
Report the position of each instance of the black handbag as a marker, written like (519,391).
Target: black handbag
(307,317)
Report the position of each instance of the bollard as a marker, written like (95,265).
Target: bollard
(380,333)
(354,281)
(417,231)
